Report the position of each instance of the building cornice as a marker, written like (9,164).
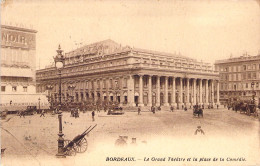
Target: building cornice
(18,28)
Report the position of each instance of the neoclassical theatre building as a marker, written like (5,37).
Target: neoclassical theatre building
(131,76)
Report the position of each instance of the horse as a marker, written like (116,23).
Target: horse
(198,111)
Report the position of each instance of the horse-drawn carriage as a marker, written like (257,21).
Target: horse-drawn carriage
(197,111)
(74,112)
(247,108)
(30,110)
(79,144)
(115,111)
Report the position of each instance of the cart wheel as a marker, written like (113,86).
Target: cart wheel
(81,146)
(70,152)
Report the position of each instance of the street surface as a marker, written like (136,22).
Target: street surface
(162,136)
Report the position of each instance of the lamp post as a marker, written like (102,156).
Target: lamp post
(59,64)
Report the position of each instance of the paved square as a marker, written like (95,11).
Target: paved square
(33,139)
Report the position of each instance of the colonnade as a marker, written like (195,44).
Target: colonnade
(176,91)
(145,90)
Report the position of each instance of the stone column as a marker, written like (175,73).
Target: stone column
(173,92)
(218,93)
(121,91)
(130,92)
(101,89)
(90,90)
(95,90)
(180,94)
(158,91)
(194,91)
(141,96)
(212,92)
(149,91)
(114,89)
(207,93)
(107,88)
(201,92)
(165,102)
(188,93)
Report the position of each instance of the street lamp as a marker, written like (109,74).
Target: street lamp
(59,64)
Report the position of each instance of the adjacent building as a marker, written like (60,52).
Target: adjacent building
(18,67)
(239,78)
(131,76)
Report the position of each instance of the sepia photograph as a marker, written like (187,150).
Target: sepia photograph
(130,83)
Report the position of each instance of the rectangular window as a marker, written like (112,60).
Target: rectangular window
(98,84)
(110,83)
(2,88)
(125,82)
(244,76)
(104,83)
(116,84)
(14,88)
(145,82)
(87,85)
(246,85)
(249,76)
(244,66)
(25,88)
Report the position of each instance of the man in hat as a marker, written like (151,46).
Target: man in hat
(139,110)
(199,130)
(93,116)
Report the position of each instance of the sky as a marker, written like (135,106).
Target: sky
(206,30)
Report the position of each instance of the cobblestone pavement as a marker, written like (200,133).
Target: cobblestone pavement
(33,140)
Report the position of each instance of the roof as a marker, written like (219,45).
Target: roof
(161,53)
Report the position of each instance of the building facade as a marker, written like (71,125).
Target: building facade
(239,78)
(18,66)
(132,77)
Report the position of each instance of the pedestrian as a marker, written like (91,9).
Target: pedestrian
(217,106)
(93,116)
(185,108)
(199,130)
(42,113)
(153,110)
(22,113)
(72,112)
(172,108)
(139,110)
